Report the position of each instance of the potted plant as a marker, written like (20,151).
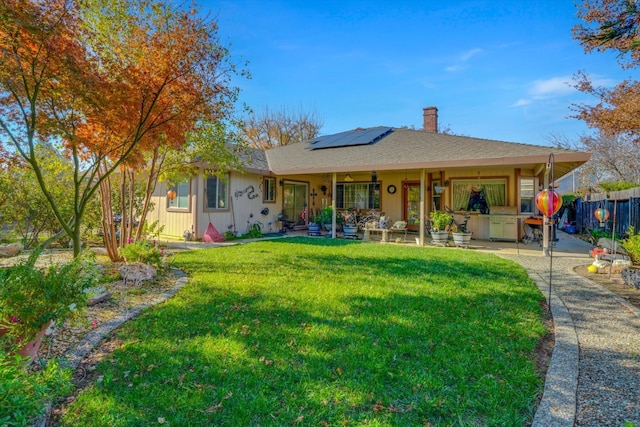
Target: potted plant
(462,236)
(350,225)
(439,221)
(31,298)
(325,217)
(315,226)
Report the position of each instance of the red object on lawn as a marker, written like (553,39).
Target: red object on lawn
(212,235)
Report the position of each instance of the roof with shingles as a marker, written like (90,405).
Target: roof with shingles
(408,149)
(254,160)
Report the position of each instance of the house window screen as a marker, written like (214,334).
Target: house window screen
(217,193)
(358,196)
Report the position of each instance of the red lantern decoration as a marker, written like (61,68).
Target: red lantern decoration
(602,215)
(171,194)
(548,202)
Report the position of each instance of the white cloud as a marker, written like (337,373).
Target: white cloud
(470,54)
(452,68)
(544,89)
(522,102)
(555,86)
(463,58)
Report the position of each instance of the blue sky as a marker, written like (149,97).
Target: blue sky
(495,69)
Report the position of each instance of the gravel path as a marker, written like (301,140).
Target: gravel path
(607,328)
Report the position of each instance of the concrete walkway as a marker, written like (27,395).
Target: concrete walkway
(594,375)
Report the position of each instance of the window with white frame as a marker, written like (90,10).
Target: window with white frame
(269,190)
(217,193)
(527,195)
(180,196)
(358,195)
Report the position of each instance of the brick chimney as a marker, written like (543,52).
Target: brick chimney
(430,119)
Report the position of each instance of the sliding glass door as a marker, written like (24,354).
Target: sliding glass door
(295,202)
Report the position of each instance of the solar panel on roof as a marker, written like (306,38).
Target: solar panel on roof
(350,138)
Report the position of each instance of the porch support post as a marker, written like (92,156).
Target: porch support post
(333,204)
(422,206)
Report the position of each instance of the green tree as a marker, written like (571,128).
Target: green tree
(25,206)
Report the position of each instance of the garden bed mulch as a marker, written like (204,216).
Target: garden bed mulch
(124,299)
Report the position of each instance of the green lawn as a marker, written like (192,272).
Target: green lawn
(328,332)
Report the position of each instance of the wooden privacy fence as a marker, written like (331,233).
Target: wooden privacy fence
(624,205)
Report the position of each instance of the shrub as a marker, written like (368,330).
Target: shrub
(632,245)
(142,251)
(23,394)
(30,297)
(255,231)
(597,234)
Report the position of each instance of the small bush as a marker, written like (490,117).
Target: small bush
(597,234)
(30,297)
(142,251)
(23,395)
(255,231)
(632,245)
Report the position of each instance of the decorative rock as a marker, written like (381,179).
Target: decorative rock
(137,272)
(97,295)
(620,264)
(10,249)
(631,276)
(602,265)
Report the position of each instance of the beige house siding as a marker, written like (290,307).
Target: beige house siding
(175,221)
(245,206)
(245,197)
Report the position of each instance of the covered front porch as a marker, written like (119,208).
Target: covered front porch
(494,201)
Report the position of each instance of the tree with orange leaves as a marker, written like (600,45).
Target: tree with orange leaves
(107,81)
(611,25)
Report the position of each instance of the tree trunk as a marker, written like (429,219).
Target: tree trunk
(108,227)
(157,161)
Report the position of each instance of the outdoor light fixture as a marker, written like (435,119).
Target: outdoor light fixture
(171,194)
(323,188)
(281,183)
(374,177)
(348,178)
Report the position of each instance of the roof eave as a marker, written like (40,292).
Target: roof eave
(561,160)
